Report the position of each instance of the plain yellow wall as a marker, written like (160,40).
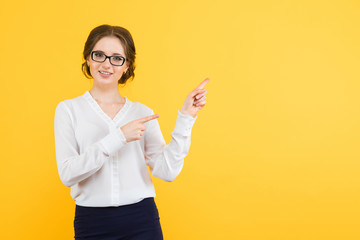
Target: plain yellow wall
(275,152)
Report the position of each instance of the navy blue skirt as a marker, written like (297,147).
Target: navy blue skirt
(138,221)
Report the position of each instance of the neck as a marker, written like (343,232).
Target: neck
(106,94)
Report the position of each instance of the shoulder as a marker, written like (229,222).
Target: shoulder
(67,104)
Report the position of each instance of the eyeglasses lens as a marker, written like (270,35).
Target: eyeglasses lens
(98,56)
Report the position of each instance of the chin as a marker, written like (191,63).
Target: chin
(105,81)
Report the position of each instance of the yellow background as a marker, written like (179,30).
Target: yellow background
(275,152)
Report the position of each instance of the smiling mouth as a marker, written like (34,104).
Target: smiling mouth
(107,73)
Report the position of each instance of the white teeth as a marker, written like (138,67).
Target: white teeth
(105,73)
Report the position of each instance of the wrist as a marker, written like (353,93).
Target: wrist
(188,114)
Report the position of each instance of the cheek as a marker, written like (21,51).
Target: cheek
(91,70)
(120,71)
(93,67)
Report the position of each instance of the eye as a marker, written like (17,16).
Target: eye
(98,54)
(117,58)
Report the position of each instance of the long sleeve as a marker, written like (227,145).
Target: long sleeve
(166,161)
(74,167)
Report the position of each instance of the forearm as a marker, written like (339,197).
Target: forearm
(167,162)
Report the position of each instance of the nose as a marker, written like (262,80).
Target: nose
(107,63)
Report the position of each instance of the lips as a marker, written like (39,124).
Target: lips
(105,73)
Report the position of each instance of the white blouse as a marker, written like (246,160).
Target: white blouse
(102,169)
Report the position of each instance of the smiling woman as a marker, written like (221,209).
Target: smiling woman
(111,71)
(104,144)
(125,48)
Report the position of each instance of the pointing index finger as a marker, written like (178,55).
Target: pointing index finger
(203,83)
(148,118)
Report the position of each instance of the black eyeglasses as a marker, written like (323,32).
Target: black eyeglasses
(98,56)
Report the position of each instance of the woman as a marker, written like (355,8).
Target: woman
(104,143)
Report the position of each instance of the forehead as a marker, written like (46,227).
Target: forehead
(109,45)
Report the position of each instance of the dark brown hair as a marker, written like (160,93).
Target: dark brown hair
(127,42)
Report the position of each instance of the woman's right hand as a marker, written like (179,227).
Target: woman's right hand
(134,130)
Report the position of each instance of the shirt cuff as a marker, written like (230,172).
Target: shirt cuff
(184,124)
(113,141)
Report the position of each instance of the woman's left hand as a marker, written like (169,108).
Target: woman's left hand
(195,101)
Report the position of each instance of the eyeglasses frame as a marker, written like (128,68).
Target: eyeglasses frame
(107,57)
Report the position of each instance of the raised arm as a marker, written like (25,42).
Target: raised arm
(166,161)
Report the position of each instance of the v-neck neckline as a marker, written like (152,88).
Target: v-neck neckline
(94,104)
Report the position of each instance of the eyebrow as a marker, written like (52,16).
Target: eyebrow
(117,54)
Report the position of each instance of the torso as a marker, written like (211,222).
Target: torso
(111,109)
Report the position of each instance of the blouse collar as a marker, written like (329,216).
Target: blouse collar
(89,98)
